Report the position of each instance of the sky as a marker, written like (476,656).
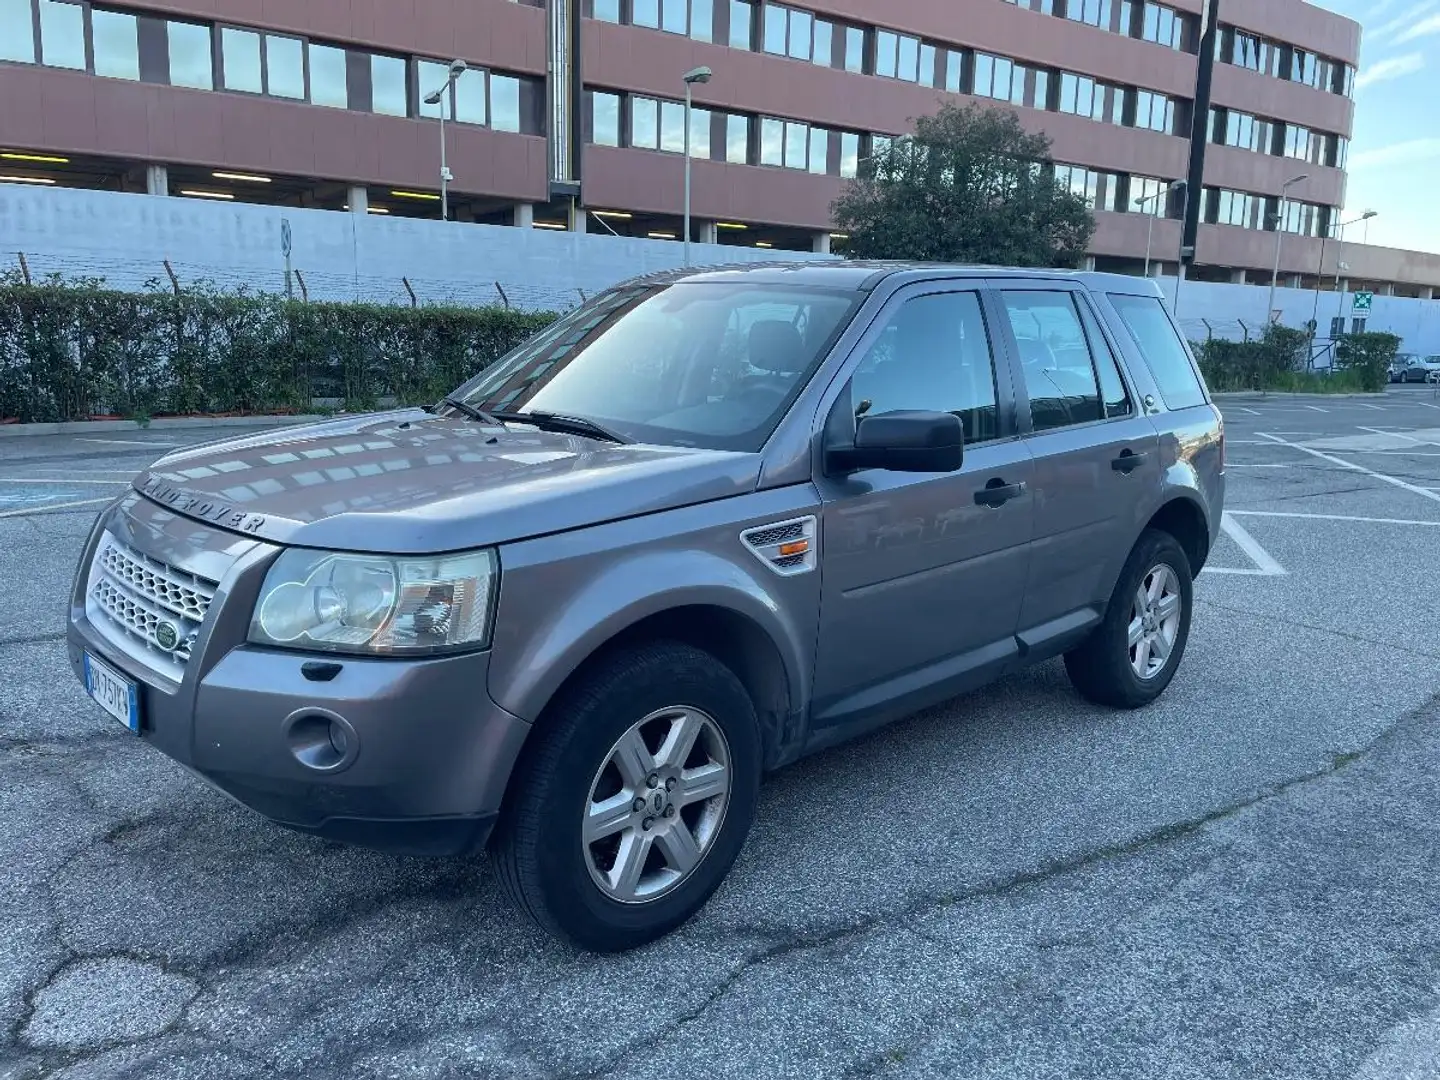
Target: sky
(1395,152)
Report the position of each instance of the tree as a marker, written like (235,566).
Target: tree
(971,185)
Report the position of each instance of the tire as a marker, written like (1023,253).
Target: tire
(1103,668)
(539,850)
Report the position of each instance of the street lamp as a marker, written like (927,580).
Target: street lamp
(1155,197)
(1340,250)
(1279,236)
(693,76)
(439,97)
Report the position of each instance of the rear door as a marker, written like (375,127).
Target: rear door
(1096,455)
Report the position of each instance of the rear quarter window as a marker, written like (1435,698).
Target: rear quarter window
(1160,346)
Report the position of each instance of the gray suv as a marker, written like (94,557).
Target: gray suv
(705,524)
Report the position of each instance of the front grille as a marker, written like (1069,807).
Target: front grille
(135,600)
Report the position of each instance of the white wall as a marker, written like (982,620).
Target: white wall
(126,239)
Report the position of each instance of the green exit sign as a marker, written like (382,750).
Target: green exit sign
(1362,302)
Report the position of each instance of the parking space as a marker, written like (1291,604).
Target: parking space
(1235,882)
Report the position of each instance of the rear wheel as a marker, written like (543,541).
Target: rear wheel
(636,800)
(1135,651)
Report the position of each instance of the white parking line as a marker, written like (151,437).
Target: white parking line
(1333,517)
(1252,412)
(1377,408)
(1396,481)
(1317,408)
(1394,435)
(128,442)
(1243,465)
(1265,565)
(58,481)
(50,506)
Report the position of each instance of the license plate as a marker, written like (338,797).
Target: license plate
(114,693)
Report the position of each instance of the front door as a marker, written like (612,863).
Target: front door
(923,574)
(1095,453)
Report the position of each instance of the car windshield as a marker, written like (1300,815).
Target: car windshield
(697,363)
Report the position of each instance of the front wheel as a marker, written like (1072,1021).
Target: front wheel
(1135,651)
(636,800)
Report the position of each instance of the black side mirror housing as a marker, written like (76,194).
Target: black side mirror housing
(918,442)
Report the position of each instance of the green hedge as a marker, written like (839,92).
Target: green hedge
(1278,360)
(77,350)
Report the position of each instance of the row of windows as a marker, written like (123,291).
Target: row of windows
(1281,61)
(1240,129)
(646,123)
(1247,211)
(124,45)
(782,30)
(1140,19)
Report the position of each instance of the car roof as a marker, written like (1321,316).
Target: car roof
(865,275)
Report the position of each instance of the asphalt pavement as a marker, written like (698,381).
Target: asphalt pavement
(1238,881)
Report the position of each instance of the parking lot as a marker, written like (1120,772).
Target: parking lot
(1236,882)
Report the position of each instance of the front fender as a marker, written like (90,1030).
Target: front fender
(557,607)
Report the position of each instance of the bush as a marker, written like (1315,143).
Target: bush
(1367,357)
(77,350)
(1269,363)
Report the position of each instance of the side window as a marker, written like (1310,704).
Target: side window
(933,355)
(1144,317)
(1055,357)
(1112,386)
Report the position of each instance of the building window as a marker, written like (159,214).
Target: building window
(854,49)
(737,139)
(328,77)
(240,55)
(1080,95)
(695,18)
(17,31)
(285,66)
(464,100)
(660,125)
(388,94)
(116,44)
(606,10)
(62,35)
(1149,195)
(1094,12)
(849,153)
(605,118)
(798,34)
(1154,111)
(191,61)
(505,103)
(1163,25)
(793,145)
(742,19)
(1000,78)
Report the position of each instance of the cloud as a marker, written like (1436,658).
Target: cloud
(1411,152)
(1394,67)
(1423,28)
(1403,22)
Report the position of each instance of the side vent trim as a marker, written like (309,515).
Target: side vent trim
(786,547)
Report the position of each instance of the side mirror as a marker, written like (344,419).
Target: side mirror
(919,442)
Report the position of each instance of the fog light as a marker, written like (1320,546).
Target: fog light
(321,740)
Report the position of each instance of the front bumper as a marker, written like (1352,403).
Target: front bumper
(420,756)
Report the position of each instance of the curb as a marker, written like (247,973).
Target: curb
(177,423)
(1265,395)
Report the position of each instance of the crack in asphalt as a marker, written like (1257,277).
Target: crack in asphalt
(1158,837)
(1349,636)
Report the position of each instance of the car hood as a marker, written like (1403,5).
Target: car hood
(406,481)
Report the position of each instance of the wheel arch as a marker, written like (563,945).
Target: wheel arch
(1184,519)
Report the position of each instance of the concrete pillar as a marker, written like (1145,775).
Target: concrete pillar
(1344,284)
(157,180)
(1157,268)
(359,199)
(524,216)
(1090,263)
(707,233)
(1390,289)
(579,218)
(1293,281)
(1427,292)
(820,243)
(1237,277)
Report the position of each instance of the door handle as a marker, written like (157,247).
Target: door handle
(998,493)
(1128,461)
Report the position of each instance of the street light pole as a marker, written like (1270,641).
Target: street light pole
(1340,252)
(1279,237)
(439,97)
(1184,186)
(1150,232)
(691,77)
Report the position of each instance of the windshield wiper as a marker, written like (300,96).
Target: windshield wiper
(569,425)
(469,410)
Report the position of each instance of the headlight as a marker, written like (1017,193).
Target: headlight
(374,604)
